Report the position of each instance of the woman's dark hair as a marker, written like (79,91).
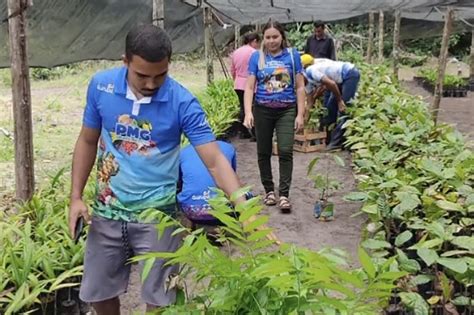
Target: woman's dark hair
(250,37)
(149,42)
(276,25)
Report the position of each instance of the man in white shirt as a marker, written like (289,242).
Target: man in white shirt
(341,79)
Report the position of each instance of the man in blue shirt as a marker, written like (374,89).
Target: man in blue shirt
(133,122)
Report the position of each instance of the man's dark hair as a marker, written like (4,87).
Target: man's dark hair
(149,42)
(319,24)
(250,37)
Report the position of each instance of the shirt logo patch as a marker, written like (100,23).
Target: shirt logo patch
(109,88)
(132,135)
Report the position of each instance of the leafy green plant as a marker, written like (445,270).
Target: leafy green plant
(450,81)
(415,179)
(315,116)
(221,105)
(323,208)
(250,275)
(298,34)
(53,73)
(323,182)
(38,255)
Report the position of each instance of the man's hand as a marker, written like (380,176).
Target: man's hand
(271,236)
(248,121)
(299,123)
(341,106)
(77,209)
(319,91)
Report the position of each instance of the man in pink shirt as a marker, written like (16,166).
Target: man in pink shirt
(239,69)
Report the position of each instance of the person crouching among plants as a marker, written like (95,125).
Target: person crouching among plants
(276,71)
(196,187)
(341,79)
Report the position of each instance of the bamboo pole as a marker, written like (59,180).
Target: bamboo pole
(258,27)
(370,42)
(237,36)
(208,45)
(396,42)
(443,55)
(159,13)
(471,68)
(381,33)
(21,92)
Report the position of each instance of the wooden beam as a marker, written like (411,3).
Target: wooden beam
(443,55)
(237,42)
(396,42)
(381,33)
(21,92)
(207,44)
(370,42)
(159,13)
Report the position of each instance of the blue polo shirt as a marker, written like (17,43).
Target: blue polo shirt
(138,154)
(275,80)
(197,182)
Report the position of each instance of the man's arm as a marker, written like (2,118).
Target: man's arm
(219,167)
(82,163)
(332,86)
(224,175)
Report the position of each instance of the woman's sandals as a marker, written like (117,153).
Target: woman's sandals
(270,199)
(285,205)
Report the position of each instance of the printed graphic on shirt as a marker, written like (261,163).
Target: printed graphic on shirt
(277,80)
(132,136)
(107,167)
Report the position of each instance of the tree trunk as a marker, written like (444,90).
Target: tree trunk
(443,55)
(396,42)
(208,45)
(381,33)
(159,13)
(24,162)
(370,42)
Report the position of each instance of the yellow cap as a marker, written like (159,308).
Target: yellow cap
(307,60)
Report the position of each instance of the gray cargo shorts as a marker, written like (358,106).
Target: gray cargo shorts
(106,270)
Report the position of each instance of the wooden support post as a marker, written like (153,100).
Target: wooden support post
(381,33)
(258,28)
(370,42)
(396,42)
(471,68)
(443,55)
(159,13)
(23,127)
(207,44)
(237,36)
